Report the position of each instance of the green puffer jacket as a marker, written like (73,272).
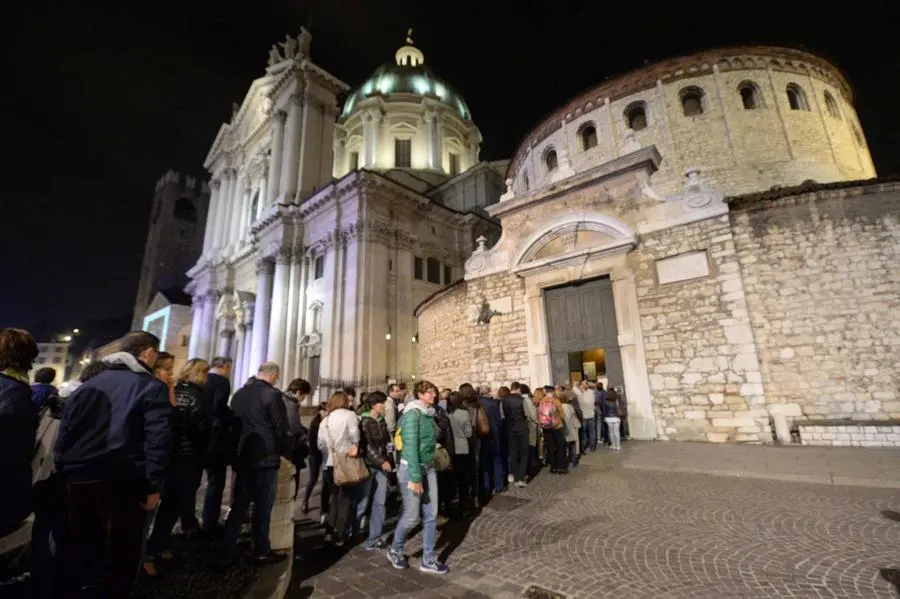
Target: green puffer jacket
(417,432)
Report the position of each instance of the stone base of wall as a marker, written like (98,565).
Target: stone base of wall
(850,433)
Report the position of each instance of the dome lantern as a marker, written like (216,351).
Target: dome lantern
(409,55)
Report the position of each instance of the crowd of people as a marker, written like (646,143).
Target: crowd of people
(109,464)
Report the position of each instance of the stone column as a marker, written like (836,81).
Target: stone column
(302,310)
(264,271)
(431,136)
(226,337)
(240,339)
(279,307)
(371,130)
(220,237)
(214,206)
(273,186)
(291,162)
(292,334)
(242,208)
(246,350)
(196,319)
(206,340)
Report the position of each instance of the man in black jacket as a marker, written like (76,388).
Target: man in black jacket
(113,450)
(221,441)
(517,428)
(264,438)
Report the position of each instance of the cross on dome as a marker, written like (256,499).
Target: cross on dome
(409,55)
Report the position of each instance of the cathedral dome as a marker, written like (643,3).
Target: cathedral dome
(407,75)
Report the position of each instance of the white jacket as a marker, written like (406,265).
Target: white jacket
(341,427)
(585,402)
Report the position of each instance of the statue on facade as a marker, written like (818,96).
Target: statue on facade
(290,46)
(409,40)
(275,55)
(304,41)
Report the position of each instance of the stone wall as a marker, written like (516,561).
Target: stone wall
(847,433)
(453,349)
(821,274)
(704,373)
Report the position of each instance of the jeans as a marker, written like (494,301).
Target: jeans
(555,441)
(518,453)
(589,428)
(413,504)
(615,440)
(179,500)
(315,468)
(108,528)
(216,476)
(572,453)
(373,493)
(259,487)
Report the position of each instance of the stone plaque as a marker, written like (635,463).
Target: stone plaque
(683,267)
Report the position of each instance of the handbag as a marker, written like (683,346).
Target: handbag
(348,470)
(441,459)
(482,422)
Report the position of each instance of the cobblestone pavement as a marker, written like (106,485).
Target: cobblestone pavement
(607,531)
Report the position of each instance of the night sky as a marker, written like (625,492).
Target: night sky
(102,98)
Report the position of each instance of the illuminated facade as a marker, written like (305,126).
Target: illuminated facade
(328,226)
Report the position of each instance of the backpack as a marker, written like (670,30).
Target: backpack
(398,438)
(548,417)
(482,422)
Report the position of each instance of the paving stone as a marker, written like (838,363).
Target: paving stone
(608,531)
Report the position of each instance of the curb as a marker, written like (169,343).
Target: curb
(818,479)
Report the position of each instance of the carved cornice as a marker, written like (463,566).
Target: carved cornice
(265,266)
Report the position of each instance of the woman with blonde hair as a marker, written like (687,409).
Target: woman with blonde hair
(183,477)
(164,370)
(338,434)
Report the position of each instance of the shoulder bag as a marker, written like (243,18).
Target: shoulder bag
(348,470)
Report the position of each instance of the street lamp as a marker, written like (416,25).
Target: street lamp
(67,338)
(75,331)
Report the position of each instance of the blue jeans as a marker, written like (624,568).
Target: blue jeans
(373,492)
(590,434)
(413,504)
(260,487)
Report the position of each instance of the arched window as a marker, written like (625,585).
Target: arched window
(588,136)
(751,97)
(185,210)
(636,116)
(796,97)
(691,101)
(831,106)
(550,160)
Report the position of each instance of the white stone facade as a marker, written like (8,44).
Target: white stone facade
(322,275)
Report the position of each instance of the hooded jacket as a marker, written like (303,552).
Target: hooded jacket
(417,429)
(117,426)
(40,393)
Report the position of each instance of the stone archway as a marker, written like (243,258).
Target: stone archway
(573,248)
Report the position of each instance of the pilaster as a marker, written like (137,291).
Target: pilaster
(291,161)
(264,271)
(278,312)
(276,158)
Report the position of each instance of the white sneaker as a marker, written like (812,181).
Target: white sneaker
(510,478)
(362,522)
(322,518)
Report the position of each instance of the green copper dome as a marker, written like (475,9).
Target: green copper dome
(406,79)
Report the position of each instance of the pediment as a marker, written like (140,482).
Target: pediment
(571,240)
(217,147)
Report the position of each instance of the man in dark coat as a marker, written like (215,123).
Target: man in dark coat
(113,451)
(18,428)
(264,439)
(221,438)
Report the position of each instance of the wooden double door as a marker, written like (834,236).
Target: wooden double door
(581,319)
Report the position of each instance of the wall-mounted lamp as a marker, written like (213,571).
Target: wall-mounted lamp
(388,335)
(415,338)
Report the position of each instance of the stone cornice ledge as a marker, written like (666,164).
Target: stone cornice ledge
(647,159)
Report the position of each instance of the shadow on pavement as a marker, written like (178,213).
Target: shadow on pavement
(891,515)
(892,575)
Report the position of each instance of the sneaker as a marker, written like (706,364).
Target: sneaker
(434,567)
(362,522)
(378,544)
(398,560)
(510,478)
(322,518)
(521,484)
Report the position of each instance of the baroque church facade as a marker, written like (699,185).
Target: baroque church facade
(706,234)
(329,224)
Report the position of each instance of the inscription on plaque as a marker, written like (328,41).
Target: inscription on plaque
(683,267)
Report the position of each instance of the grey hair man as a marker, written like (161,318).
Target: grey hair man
(264,439)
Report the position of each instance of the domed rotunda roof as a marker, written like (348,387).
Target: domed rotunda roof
(408,75)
